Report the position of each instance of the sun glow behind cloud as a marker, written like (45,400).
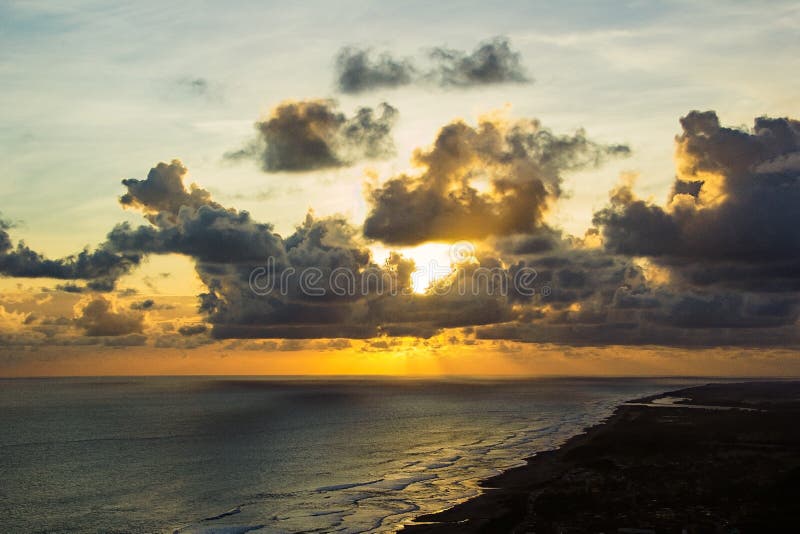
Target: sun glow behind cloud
(433,262)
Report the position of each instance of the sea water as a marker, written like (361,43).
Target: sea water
(228,455)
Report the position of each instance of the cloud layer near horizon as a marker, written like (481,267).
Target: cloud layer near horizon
(717,264)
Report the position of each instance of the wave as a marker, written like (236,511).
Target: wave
(337,487)
(228,529)
(232,511)
(399,484)
(443,462)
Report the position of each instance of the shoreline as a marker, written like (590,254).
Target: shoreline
(653,468)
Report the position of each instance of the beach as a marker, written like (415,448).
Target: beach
(712,458)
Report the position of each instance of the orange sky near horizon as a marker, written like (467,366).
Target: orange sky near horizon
(485,358)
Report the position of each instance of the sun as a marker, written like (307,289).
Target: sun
(433,262)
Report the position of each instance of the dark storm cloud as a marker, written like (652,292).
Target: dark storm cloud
(586,296)
(324,245)
(208,234)
(717,265)
(521,161)
(100,267)
(582,295)
(227,245)
(726,245)
(313,134)
(358,71)
(636,334)
(732,217)
(492,62)
(728,310)
(545,239)
(294,331)
(188,221)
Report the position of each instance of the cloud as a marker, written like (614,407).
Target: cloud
(163,191)
(715,265)
(732,217)
(587,297)
(146,304)
(477,180)
(194,86)
(100,267)
(520,162)
(188,221)
(312,134)
(192,330)
(149,304)
(492,62)
(127,340)
(99,317)
(357,71)
(13,321)
(318,246)
(191,90)
(728,310)
(228,247)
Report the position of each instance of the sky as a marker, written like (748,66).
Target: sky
(635,162)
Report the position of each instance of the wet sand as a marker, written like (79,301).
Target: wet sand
(713,458)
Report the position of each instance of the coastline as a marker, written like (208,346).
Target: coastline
(717,458)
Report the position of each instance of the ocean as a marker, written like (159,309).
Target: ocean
(232,455)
